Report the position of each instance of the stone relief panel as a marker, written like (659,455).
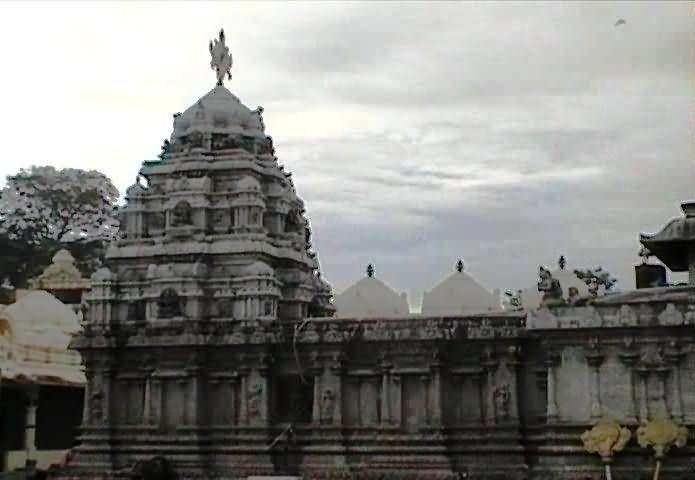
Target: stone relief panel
(470,404)
(351,402)
(414,402)
(615,388)
(369,401)
(172,404)
(573,395)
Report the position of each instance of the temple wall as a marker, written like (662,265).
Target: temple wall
(478,395)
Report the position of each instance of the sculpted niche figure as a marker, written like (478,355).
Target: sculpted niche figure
(96,409)
(254,400)
(181,215)
(169,305)
(327,406)
(502,398)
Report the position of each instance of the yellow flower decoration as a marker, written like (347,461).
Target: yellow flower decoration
(662,434)
(606,438)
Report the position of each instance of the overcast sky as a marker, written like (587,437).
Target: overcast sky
(502,133)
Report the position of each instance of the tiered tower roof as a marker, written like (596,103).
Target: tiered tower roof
(214,228)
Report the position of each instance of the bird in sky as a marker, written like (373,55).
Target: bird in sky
(621,21)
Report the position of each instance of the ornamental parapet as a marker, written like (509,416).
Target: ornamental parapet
(664,307)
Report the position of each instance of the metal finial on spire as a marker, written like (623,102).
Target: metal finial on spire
(221,60)
(370,270)
(561,262)
(459,266)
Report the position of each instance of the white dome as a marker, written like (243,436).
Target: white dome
(63,256)
(35,333)
(257,269)
(459,293)
(370,297)
(38,318)
(219,111)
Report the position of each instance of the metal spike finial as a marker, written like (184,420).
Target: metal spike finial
(561,262)
(370,270)
(459,266)
(221,61)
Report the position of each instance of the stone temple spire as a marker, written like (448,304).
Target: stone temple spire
(221,60)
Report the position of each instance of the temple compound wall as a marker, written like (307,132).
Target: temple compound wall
(496,396)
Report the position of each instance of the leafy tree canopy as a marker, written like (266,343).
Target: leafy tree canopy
(43,203)
(43,209)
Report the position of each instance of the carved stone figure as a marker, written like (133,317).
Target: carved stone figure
(552,295)
(254,400)
(169,304)
(502,399)
(327,406)
(96,409)
(181,215)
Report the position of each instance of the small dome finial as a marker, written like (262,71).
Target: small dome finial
(459,266)
(561,262)
(370,270)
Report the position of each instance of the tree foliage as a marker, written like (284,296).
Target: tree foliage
(43,203)
(43,210)
(599,275)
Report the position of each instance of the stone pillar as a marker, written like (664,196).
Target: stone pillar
(512,362)
(243,392)
(594,359)
(108,375)
(479,380)
(30,423)
(426,398)
(147,400)
(316,407)
(397,413)
(90,375)
(629,359)
(232,404)
(337,370)
(192,400)
(490,366)
(156,393)
(182,383)
(674,356)
(436,388)
(662,372)
(385,397)
(643,373)
(551,361)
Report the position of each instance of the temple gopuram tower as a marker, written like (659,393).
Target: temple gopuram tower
(214,248)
